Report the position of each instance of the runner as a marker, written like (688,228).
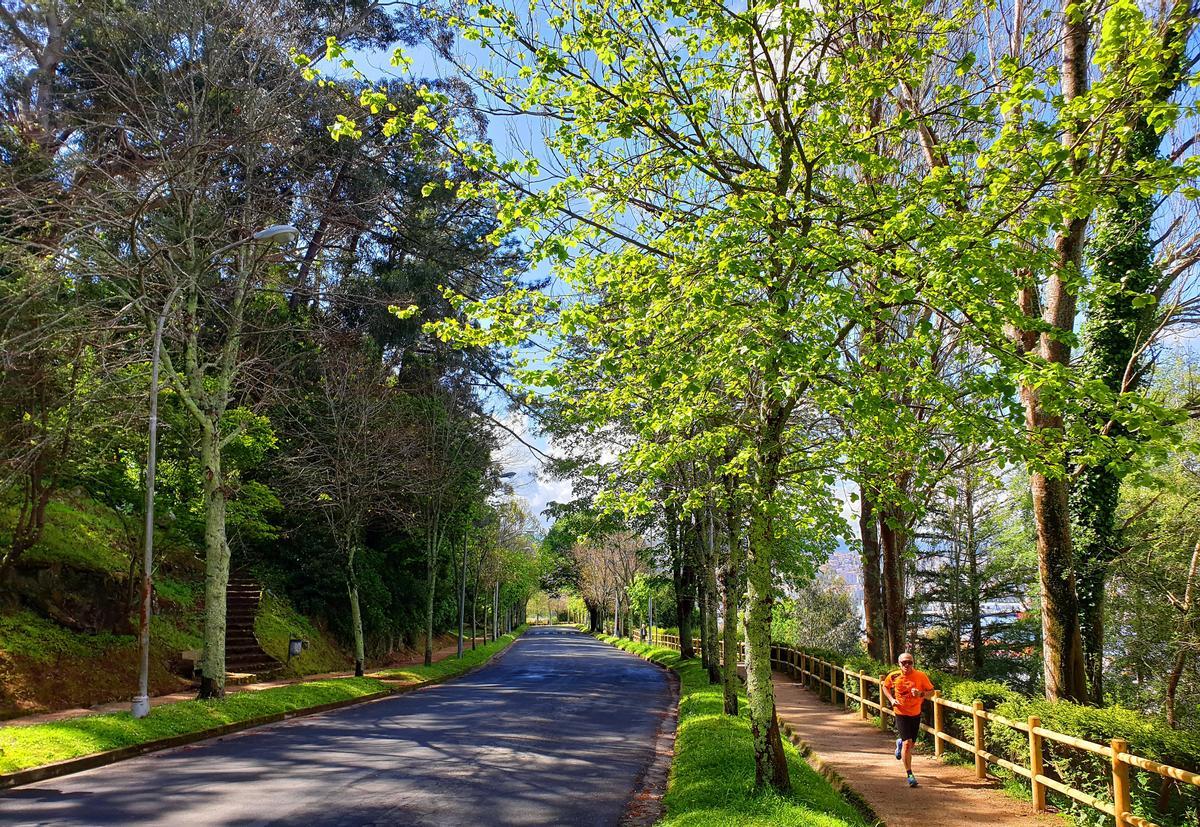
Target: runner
(906,690)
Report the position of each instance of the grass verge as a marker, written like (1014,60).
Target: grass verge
(24,747)
(451,666)
(35,745)
(712,776)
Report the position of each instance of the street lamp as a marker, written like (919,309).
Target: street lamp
(140,708)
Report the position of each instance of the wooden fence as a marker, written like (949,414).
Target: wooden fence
(815,673)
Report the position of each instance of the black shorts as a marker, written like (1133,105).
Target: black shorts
(908,727)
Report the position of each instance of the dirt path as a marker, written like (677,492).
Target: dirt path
(948,795)
(190,694)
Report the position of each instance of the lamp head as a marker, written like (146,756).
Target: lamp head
(278,233)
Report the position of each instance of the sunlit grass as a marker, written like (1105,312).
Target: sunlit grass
(712,776)
(34,745)
(22,747)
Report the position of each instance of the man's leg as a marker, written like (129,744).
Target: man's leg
(908,748)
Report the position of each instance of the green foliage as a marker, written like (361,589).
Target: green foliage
(1148,737)
(182,593)
(1091,773)
(712,777)
(661,588)
(821,613)
(22,747)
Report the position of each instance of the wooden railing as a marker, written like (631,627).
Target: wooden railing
(812,670)
(816,673)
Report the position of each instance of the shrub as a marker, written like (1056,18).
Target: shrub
(1169,805)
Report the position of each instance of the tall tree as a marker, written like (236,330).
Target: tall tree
(348,452)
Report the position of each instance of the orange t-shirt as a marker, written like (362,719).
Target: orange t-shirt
(901,687)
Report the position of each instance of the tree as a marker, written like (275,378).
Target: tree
(190,118)
(1154,611)
(719,245)
(452,452)
(1124,315)
(820,614)
(348,452)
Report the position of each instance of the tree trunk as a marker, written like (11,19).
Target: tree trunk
(216,574)
(462,599)
(684,576)
(770,763)
(475,606)
(1062,646)
(973,585)
(873,616)
(432,547)
(697,551)
(893,541)
(712,597)
(355,616)
(1181,655)
(731,590)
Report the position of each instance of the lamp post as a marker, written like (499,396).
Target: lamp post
(140,707)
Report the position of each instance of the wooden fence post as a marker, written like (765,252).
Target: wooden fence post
(980,763)
(1036,766)
(938,725)
(1122,802)
(845,691)
(862,693)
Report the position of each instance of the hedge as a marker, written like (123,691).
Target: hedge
(1170,805)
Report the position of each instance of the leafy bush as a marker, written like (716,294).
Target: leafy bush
(1147,737)
(1172,805)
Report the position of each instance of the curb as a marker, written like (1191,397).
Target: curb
(103,759)
(645,808)
(815,761)
(827,772)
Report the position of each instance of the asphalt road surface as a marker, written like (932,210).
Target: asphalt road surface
(557,731)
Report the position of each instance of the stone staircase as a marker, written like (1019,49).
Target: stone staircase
(243,655)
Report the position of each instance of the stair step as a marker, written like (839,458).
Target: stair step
(244,656)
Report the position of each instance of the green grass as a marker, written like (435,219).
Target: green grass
(22,747)
(277,622)
(451,666)
(712,777)
(84,536)
(42,640)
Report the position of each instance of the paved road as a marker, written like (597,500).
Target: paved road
(556,731)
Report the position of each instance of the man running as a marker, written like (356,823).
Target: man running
(906,690)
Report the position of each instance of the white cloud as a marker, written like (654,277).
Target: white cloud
(531,482)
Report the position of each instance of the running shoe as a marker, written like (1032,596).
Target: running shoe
(899,748)
(912,780)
